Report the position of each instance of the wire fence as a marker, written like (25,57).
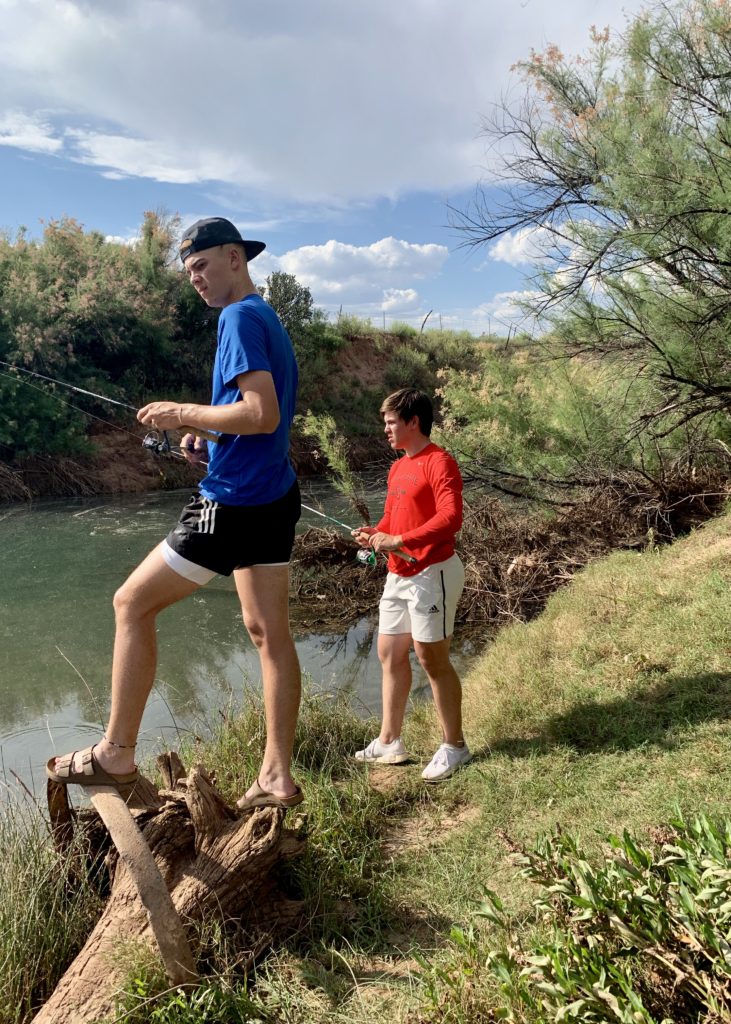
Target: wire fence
(432,320)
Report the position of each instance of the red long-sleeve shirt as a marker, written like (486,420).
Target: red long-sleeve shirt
(424,505)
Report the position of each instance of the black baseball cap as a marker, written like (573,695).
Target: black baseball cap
(210,231)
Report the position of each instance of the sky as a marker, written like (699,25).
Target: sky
(339,132)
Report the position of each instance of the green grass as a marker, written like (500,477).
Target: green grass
(47,908)
(609,714)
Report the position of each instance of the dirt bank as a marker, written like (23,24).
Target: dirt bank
(117,465)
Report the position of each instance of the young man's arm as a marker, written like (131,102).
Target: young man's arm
(256,413)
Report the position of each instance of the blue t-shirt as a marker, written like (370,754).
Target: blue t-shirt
(251,469)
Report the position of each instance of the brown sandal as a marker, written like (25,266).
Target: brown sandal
(261,798)
(61,769)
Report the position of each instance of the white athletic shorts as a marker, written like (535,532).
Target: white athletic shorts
(423,605)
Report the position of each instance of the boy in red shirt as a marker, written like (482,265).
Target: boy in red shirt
(422,514)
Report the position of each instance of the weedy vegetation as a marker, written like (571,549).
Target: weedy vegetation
(567,873)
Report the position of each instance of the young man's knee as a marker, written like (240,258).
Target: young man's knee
(266,635)
(124,601)
(433,657)
(392,651)
(257,630)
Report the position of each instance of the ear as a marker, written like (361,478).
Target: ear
(235,257)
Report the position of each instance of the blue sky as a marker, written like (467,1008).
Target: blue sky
(337,132)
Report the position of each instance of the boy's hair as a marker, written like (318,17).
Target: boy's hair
(407,403)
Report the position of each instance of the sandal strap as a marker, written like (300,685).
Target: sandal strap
(64,763)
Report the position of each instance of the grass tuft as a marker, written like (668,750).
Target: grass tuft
(47,907)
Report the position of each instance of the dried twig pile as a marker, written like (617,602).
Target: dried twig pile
(514,559)
(329,587)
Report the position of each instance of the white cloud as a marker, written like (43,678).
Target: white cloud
(524,246)
(28,131)
(321,101)
(130,240)
(377,274)
(400,300)
(504,311)
(149,159)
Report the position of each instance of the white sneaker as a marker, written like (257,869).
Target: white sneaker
(383,753)
(445,762)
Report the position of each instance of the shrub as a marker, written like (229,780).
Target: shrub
(408,368)
(353,327)
(403,330)
(644,931)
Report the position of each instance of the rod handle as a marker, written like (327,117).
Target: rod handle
(400,553)
(207,435)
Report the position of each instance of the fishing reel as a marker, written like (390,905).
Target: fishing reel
(366,556)
(153,442)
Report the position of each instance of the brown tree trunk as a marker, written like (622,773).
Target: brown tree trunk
(215,862)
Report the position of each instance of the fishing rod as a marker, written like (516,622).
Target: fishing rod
(152,440)
(71,387)
(331,518)
(368,556)
(153,443)
(162,446)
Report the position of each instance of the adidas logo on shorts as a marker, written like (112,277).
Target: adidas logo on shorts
(433,609)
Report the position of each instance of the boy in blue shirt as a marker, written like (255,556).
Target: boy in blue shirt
(242,520)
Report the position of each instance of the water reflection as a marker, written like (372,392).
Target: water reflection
(62,562)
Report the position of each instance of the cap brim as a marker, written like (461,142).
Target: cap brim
(252,249)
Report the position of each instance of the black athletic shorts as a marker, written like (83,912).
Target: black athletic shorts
(213,539)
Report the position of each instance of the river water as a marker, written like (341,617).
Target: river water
(61,564)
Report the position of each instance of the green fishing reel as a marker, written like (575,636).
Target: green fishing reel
(366,556)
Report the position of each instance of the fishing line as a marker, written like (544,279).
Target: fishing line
(49,394)
(63,384)
(331,518)
(366,556)
(152,440)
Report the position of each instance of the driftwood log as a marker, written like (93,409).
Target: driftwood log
(214,861)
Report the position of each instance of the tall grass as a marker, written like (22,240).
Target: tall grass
(48,905)
(343,877)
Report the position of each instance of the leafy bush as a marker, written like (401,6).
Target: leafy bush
(353,326)
(97,314)
(520,413)
(334,449)
(211,1003)
(458,349)
(408,368)
(403,330)
(291,300)
(315,346)
(43,425)
(644,932)
(613,160)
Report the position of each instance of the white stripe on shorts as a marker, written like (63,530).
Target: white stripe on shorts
(184,567)
(208,515)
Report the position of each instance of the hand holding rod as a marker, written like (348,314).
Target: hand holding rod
(401,553)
